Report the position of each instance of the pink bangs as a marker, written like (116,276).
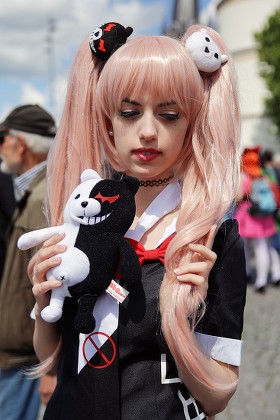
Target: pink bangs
(157,65)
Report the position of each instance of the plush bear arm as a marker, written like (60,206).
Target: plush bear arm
(36,237)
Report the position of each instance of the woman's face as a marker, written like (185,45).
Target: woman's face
(149,135)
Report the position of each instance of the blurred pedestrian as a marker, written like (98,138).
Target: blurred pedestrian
(7,206)
(269,166)
(272,171)
(257,230)
(27,134)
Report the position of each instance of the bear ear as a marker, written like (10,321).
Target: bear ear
(88,174)
(132,183)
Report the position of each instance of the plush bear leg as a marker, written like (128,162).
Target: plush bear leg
(53,311)
(84,321)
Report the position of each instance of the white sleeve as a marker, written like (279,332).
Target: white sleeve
(226,350)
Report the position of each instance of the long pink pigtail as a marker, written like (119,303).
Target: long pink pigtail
(45,366)
(76,146)
(210,178)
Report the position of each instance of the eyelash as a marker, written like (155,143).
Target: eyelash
(132,114)
(128,114)
(171,117)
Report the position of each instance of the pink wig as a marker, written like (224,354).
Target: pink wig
(208,167)
(158,65)
(209,186)
(76,146)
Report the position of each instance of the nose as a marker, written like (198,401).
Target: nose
(148,130)
(84,204)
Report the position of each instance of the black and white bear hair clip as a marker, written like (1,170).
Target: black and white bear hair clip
(205,52)
(107,38)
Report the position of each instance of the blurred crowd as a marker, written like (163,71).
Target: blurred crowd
(257,212)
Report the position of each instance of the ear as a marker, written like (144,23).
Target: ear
(21,143)
(88,174)
(132,183)
(110,131)
(224,58)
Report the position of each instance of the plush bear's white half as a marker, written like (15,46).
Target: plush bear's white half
(205,52)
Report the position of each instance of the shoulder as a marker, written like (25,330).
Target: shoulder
(227,280)
(226,237)
(226,294)
(38,186)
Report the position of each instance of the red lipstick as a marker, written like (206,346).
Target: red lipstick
(146,155)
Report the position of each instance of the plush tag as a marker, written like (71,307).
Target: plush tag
(117,291)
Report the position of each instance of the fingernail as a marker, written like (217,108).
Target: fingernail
(58,283)
(177,271)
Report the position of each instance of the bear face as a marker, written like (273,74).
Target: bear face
(114,200)
(205,52)
(107,203)
(107,38)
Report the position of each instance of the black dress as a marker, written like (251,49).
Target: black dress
(133,376)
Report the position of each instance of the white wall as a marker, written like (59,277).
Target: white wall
(238,20)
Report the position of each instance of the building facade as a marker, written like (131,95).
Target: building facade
(237,21)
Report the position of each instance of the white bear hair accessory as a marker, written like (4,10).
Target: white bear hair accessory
(205,52)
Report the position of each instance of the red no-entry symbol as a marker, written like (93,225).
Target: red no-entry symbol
(91,342)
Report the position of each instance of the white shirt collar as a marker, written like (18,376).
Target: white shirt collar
(167,200)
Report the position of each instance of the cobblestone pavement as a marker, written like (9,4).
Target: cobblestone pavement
(258,393)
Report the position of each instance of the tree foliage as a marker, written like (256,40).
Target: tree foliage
(268,47)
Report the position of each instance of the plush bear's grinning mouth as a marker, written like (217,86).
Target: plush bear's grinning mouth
(93,220)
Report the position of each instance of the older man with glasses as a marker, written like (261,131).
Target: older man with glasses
(26,136)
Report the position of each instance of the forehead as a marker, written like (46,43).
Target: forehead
(148,91)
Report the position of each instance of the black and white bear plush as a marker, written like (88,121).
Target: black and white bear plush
(96,217)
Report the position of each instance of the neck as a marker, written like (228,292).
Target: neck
(30,161)
(156,182)
(144,197)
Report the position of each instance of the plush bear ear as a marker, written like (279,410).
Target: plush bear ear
(132,183)
(88,174)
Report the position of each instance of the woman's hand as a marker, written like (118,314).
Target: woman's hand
(197,271)
(38,266)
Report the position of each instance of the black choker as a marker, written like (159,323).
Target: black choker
(155,182)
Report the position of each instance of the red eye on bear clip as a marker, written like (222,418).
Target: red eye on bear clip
(110,199)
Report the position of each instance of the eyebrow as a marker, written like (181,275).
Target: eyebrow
(130,101)
(162,104)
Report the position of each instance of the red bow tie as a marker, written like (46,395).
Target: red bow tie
(150,254)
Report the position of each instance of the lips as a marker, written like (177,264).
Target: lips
(146,155)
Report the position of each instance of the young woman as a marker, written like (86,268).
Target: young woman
(159,111)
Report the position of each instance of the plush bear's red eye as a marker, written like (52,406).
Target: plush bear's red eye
(110,199)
